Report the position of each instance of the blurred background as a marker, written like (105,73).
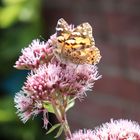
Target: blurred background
(116,29)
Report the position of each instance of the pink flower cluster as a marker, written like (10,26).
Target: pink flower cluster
(67,80)
(86,134)
(50,80)
(27,107)
(114,130)
(36,53)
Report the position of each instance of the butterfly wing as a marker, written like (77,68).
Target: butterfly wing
(79,39)
(63,32)
(87,51)
(76,44)
(80,46)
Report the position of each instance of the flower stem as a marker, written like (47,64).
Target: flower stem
(62,118)
(67,130)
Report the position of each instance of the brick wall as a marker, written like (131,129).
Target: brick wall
(116,26)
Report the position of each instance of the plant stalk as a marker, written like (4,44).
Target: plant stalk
(62,118)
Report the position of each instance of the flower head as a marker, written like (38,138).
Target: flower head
(57,78)
(51,83)
(28,107)
(35,54)
(114,130)
(25,106)
(83,135)
(118,130)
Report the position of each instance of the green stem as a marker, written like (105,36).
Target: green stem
(57,113)
(61,116)
(67,130)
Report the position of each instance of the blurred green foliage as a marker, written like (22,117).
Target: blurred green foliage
(20,23)
(12,11)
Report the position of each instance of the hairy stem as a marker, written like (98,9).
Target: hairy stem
(67,130)
(62,118)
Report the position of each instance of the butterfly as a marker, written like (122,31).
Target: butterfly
(77,44)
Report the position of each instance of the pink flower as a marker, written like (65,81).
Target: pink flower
(51,82)
(36,53)
(56,78)
(83,135)
(114,130)
(118,130)
(28,107)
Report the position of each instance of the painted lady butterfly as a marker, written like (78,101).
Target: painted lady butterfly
(76,45)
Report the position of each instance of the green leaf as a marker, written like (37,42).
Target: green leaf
(49,107)
(70,104)
(53,128)
(59,132)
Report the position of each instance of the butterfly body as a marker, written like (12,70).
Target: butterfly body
(76,45)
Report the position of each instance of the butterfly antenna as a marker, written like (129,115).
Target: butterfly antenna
(42,38)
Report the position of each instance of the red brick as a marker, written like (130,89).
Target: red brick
(123,24)
(134,116)
(134,57)
(119,86)
(101,110)
(131,2)
(92,111)
(110,54)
